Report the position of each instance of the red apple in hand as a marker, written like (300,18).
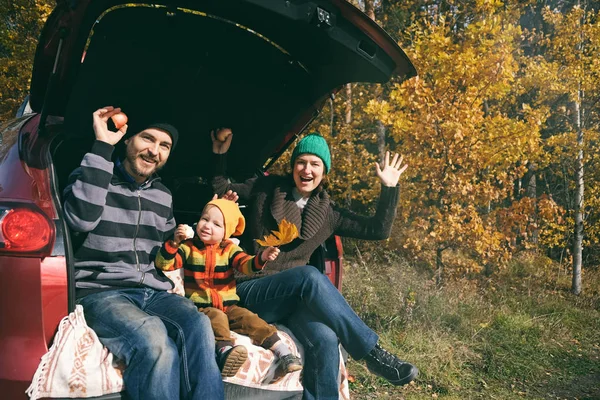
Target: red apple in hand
(223,134)
(119,120)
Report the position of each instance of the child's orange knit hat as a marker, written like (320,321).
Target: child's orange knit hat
(232,216)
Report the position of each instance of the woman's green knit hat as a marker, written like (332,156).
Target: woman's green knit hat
(313,144)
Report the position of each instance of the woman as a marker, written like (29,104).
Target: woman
(290,290)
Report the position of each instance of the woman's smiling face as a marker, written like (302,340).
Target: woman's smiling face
(308,173)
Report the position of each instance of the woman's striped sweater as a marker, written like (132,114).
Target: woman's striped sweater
(208,269)
(124,225)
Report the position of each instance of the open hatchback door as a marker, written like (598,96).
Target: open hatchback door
(261,67)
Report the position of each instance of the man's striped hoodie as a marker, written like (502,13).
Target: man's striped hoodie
(124,224)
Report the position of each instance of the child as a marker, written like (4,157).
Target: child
(208,260)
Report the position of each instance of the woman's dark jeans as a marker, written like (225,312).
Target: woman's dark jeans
(318,315)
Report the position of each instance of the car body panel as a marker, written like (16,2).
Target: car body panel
(24,338)
(34,290)
(334,267)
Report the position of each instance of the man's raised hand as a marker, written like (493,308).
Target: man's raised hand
(101,130)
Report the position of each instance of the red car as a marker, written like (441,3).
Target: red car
(262,67)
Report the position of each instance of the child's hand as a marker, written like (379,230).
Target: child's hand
(180,234)
(269,254)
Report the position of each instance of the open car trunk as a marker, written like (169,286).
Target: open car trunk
(261,67)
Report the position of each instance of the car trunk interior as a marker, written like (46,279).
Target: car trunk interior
(198,73)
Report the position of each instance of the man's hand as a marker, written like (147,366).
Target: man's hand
(269,254)
(221,140)
(101,117)
(390,174)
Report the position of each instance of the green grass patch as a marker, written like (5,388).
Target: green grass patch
(519,334)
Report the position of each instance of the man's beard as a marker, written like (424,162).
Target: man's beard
(146,172)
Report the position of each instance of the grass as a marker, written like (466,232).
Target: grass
(517,335)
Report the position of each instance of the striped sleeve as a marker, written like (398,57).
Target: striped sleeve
(170,257)
(170,225)
(245,263)
(85,194)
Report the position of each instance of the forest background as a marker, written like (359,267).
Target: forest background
(491,275)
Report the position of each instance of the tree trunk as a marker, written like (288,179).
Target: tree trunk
(579,191)
(439,272)
(530,181)
(531,192)
(370,9)
(380,139)
(380,128)
(331,117)
(348,121)
(517,185)
(348,118)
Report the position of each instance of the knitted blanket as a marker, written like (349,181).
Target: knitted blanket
(77,365)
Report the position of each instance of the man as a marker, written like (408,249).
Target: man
(125,213)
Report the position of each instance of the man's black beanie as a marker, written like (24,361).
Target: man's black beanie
(133,130)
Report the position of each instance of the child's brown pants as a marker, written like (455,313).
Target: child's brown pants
(242,321)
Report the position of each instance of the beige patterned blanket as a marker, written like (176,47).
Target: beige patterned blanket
(78,366)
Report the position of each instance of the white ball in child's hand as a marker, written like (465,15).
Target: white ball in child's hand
(189,232)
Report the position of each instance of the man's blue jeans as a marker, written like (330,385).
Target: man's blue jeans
(167,345)
(318,315)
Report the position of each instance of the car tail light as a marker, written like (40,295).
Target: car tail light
(25,230)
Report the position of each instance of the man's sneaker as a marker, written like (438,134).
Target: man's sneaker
(388,366)
(230,360)
(290,363)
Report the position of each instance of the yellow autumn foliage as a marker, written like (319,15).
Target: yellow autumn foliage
(20,27)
